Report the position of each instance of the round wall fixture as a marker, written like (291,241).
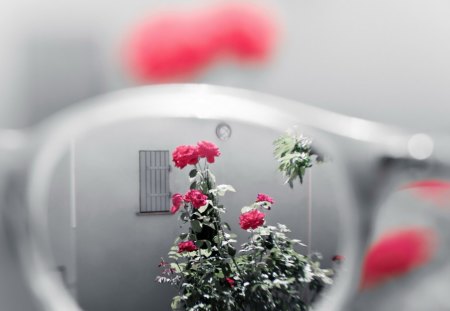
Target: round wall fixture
(223,131)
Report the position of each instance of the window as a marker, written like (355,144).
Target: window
(154,168)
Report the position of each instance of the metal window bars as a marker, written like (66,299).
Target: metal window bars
(154,168)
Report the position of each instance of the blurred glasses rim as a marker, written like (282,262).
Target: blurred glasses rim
(206,102)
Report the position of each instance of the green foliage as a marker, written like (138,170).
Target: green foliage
(293,153)
(267,273)
(277,276)
(201,275)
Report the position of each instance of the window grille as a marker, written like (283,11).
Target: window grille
(154,168)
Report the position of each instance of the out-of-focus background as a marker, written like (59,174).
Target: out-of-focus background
(384,60)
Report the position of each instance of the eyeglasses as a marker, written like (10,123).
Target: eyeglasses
(78,163)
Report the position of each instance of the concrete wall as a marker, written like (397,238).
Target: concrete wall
(117,252)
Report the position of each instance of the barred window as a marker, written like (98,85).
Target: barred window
(154,168)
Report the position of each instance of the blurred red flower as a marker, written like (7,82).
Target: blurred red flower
(178,45)
(398,253)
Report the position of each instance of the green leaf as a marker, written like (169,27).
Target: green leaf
(199,243)
(264,231)
(205,252)
(220,274)
(216,239)
(211,225)
(193,173)
(211,176)
(203,208)
(222,189)
(176,303)
(175,267)
(208,244)
(193,186)
(231,250)
(196,226)
(232,235)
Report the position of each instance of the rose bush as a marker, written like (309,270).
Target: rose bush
(267,273)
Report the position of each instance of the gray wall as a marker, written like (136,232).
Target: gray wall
(118,251)
(385,60)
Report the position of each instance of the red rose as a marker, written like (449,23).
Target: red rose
(231,281)
(184,155)
(251,220)
(207,150)
(338,258)
(196,198)
(264,198)
(187,246)
(177,201)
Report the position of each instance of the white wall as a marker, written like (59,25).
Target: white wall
(118,251)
